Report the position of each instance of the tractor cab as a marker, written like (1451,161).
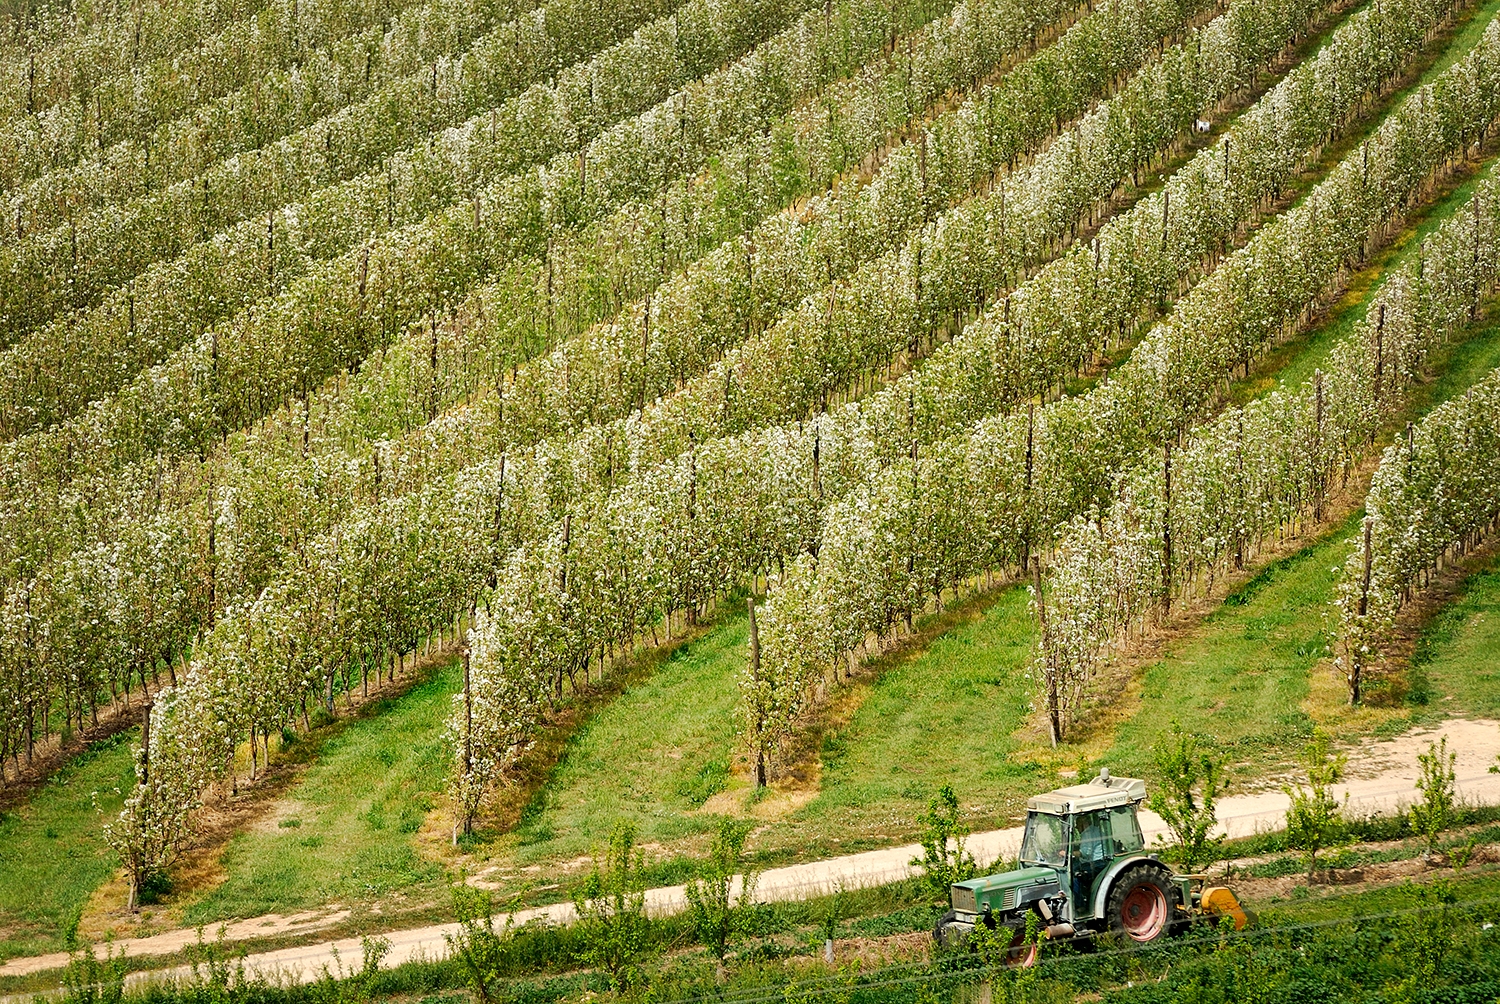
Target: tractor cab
(1082,833)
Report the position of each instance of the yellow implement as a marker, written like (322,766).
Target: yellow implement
(1218,901)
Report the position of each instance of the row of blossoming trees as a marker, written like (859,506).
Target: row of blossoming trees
(854,483)
(334,586)
(732,503)
(1435,497)
(1224,490)
(150,470)
(149,522)
(581,423)
(1087,477)
(406,553)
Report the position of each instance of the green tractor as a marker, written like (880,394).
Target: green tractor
(1084,871)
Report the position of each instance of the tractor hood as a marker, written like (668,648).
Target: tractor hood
(1006,891)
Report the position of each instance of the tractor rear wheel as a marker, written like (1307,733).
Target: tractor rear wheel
(1141,904)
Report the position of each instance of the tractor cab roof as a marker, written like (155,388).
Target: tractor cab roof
(1103,792)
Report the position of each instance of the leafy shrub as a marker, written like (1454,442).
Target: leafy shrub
(155,886)
(944,859)
(717,914)
(478,949)
(611,906)
(1182,767)
(218,974)
(92,980)
(1314,821)
(1434,813)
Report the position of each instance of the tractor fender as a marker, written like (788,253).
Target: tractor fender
(1112,873)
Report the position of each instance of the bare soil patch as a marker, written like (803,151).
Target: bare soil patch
(49,754)
(1360,878)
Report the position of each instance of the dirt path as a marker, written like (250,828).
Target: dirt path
(1382,776)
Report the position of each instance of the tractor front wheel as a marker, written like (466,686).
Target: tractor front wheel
(950,932)
(947,933)
(1141,904)
(1021,954)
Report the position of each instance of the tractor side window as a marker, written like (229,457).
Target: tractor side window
(1045,841)
(1126,830)
(1091,838)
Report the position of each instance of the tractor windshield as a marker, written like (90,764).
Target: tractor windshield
(1046,840)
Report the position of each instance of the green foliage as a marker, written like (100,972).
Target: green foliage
(832,911)
(997,948)
(92,980)
(155,886)
(372,952)
(1190,782)
(480,950)
(1020,986)
(1434,813)
(718,914)
(1315,819)
(944,859)
(611,905)
(1423,940)
(708,782)
(1460,854)
(341,987)
(818,991)
(217,974)
(1397,944)
(1234,968)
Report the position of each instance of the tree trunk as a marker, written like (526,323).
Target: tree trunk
(468,823)
(760,748)
(1356,656)
(1049,666)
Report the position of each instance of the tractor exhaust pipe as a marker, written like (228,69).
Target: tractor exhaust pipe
(1054,931)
